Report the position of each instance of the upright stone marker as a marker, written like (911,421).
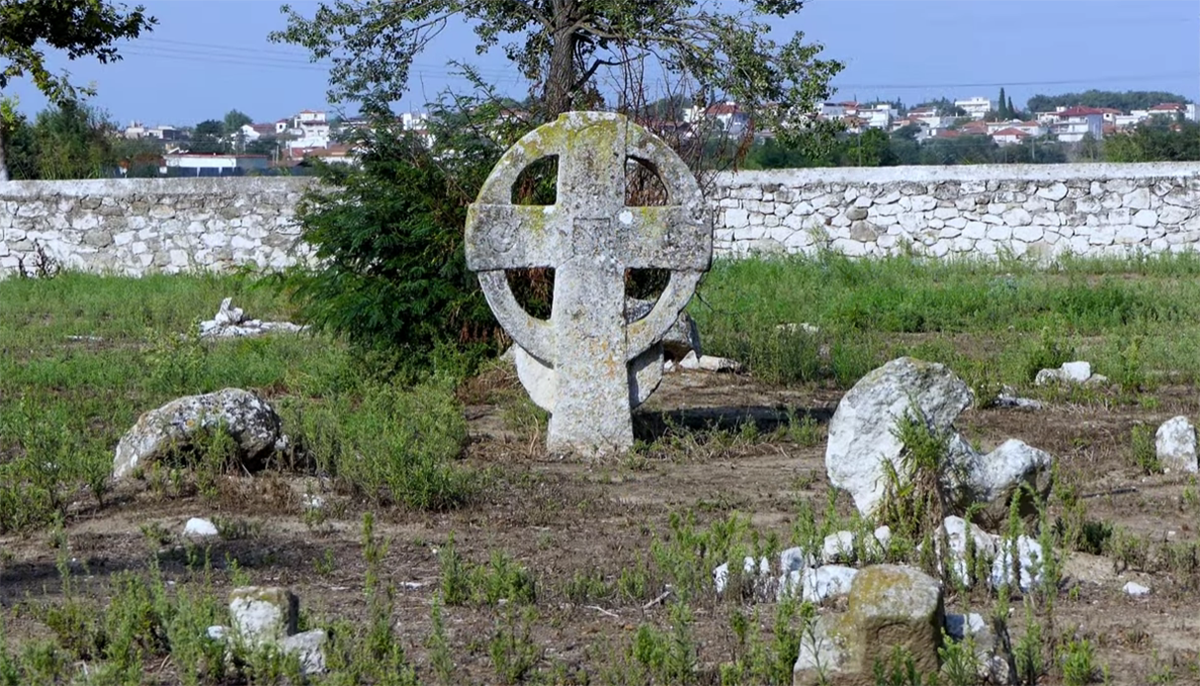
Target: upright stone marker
(588,365)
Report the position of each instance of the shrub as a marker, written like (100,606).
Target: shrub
(392,272)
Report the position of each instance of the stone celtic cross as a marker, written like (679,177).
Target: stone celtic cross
(588,365)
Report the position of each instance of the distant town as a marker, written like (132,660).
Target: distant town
(314,135)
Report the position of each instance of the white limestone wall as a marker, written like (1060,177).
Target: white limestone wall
(136,226)
(977,211)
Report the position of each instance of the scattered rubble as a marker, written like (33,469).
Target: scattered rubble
(1134,589)
(708,363)
(231,322)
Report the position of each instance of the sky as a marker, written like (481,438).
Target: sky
(206,57)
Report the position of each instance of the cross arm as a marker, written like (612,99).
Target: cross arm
(511,236)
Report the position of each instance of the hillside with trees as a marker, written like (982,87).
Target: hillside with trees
(1126,101)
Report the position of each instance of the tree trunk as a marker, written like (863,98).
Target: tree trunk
(561,78)
(3,160)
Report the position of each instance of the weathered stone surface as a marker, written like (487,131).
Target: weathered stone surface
(862,430)
(247,418)
(995,660)
(995,478)
(591,238)
(262,615)
(982,547)
(817,584)
(1070,372)
(1175,443)
(890,606)
(1019,564)
(709,363)
(682,338)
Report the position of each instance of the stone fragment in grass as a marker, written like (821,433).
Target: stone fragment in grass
(862,432)
(1175,443)
(753,572)
(309,648)
(955,530)
(262,615)
(795,559)
(995,662)
(863,440)
(682,338)
(844,546)
(197,526)
(1078,372)
(183,425)
(708,363)
(1029,561)
(1134,589)
(816,584)
(890,607)
(231,322)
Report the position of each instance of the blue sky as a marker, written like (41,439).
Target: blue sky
(206,57)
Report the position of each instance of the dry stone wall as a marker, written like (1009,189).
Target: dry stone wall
(969,211)
(139,226)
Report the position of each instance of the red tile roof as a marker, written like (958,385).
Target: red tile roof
(1011,131)
(1167,107)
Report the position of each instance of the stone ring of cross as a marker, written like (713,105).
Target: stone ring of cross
(590,237)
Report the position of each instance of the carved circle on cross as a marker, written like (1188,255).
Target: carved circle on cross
(592,150)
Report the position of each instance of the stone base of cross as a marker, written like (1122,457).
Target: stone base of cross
(587,365)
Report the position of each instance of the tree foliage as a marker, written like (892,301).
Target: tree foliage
(1161,139)
(73,141)
(563,47)
(389,239)
(80,28)
(235,120)
(1124,101)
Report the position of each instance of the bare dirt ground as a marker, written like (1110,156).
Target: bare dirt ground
(561,518)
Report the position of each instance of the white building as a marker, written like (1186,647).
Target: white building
(198,164)
(1073,123)
(977,107)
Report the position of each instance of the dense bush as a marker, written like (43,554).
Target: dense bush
(392,275)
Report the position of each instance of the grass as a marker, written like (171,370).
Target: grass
(84,355)
(993,322)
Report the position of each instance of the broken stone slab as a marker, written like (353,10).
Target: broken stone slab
(309,649)
(890,607)
(231,322)
(175,427)
(1027,571)
(199,527)
(863,439)
(1078,372)
(992,656)
(1135,590)
(754,573)
(708,363)
(1013,470)
(1175,444)
(262,615)
(958,541)
(844,546)
(795,559)
(862,432)
(1008,398)
(816,584)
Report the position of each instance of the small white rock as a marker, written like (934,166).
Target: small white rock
(1135,589)
(199,527)
(795,559)
(819,584)
(1030,560)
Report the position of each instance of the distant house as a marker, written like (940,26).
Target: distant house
(334,154)
(1071,124)
(977,107)
(1166,109)
(198,164)
(253,132)
(729,114)
(1009,136)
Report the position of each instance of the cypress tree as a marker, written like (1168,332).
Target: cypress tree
(1002,106)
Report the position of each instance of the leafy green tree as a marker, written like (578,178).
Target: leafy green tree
(235,120)
(1002,107)
(1012,111)
(209,137)
(80,28)
(1124,101)
(566,45)
(1156,141)
(73,141)
(389,234)
(17,135)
